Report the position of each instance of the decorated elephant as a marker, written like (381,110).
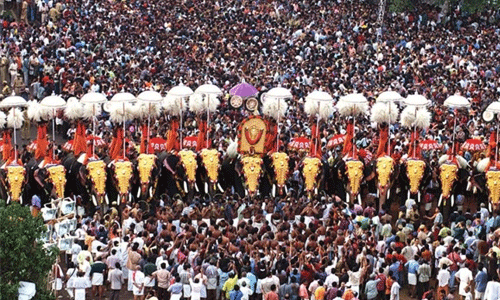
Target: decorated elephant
(451,171)
(311,168)
(148,169)
(252,170)
(280,164)
(210,160)
(354,171)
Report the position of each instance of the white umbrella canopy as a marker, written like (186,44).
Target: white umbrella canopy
(319,95)
(416,101)
(180,91)
(123,97)
(208,89)
(278,92)
(53,101)
(150,97)
(494,107)
(389,96)
(93,98)
(456,101)
(354,98)
(13,101)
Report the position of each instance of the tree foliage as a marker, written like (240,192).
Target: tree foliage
(470,6)
(22,257)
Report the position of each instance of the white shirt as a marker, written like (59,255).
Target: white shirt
(492,291)
(465,276)
(331,279)
(443,277)
(395,291)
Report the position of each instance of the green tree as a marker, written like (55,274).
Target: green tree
(471,6)
(22,256)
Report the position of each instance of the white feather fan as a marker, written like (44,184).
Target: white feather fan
(15,118)
(324,108)
(34,111)
(482,164)
(199,104)
(174,105)
(274,108)
(408,117)
(348,109)
(443,159)
(117,114)
(74,109)
(384,113)
(91,110)
(423,118)
(196,103)
(462,162)
(232,149)
(3,119)
(143,110)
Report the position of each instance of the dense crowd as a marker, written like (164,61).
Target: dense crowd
(290,247)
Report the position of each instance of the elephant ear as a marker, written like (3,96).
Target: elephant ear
(232,149)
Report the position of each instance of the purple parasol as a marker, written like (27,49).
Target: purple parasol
(243,90)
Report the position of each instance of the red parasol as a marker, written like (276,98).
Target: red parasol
(190,142)
(68,146)
(157,144)
(336,140)
(473,145)
(300,144)
(98,142)
(428,145)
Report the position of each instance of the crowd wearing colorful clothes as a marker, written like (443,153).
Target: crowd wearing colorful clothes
(292,246)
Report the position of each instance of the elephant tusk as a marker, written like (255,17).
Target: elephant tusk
(378,193)
(274,190)
(139,192)
(286,189)
(206,188)
(388,193)
(21,199)
(489,206)
(8,199)
(106,198)
(409,194)
(118,199)
(418,196)
(185,187)
(347,197)
(150,192)
(196,187)
(220,188)
(359,199)
(94,200)
(130,197)
(452,200)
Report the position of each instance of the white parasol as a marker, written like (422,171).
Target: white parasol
(96,100)
(278,95)
(178,95)
(208,90)
(456,101)
(149,97)
(352,105)
(53,102)
(314,102)
(123,98)
(14,101)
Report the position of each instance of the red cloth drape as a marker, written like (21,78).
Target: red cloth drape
(382,143)
(271,136)
(7,146)
(172,136)
(144,138)
(315,140)
(41,141)
(116,147)
(414,153)
(490,152)
(202,135)
(80,141)
(349,149)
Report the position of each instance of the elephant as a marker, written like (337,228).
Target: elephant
(252,170)
(281,168)
(148,169)
(451,174)
(210,160)
(311,168)
(355,175)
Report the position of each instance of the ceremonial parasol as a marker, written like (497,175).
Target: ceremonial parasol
(473,145)
(14,101)
(428,145)
(389,97)
(336,140)
(94,99)
(157,144)
(278,95)
(494,108)
(352,105)
(54,102)
(190,142)
(95,141)
(300,143)
(316,99)
(149,97)
(180,92)
(207,90)
(416,101)
(243,90)
(123,98)
(456,102)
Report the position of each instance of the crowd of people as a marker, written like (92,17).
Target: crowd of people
(290,247)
